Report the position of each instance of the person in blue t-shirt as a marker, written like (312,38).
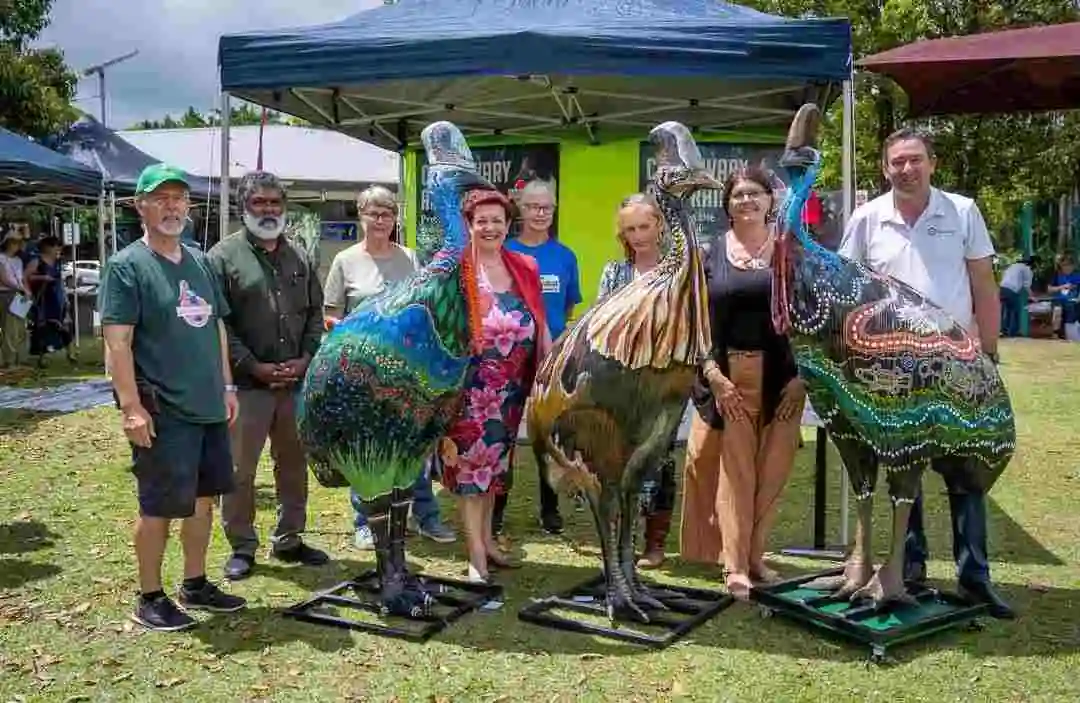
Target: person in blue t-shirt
(1065,288)
(562,292)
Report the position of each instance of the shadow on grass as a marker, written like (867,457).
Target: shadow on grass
(1009,541)
(255,629)
(22,421)
(26,536)
(15,573)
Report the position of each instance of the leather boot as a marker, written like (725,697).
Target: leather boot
(657,526)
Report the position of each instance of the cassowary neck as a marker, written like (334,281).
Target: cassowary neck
(446,203)
(683,260)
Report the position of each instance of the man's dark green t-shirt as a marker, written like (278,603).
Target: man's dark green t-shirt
(174,308)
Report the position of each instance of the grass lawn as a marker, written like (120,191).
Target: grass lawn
(58,370)
(67,586)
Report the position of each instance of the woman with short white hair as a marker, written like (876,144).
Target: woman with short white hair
(359,272)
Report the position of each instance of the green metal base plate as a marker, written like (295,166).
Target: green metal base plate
(861,623)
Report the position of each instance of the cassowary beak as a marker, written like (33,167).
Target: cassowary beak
(468,180)
(701,178)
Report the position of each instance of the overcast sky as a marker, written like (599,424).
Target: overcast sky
(177,42)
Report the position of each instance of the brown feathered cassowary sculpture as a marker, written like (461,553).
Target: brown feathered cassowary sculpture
(615,386)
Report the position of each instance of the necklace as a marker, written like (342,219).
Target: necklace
(758,260)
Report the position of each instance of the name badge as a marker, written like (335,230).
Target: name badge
(549,283)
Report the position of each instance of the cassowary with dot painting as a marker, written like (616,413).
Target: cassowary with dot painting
(896,381)
(608,398)
(389,378)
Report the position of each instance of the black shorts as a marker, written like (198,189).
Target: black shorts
(185,461)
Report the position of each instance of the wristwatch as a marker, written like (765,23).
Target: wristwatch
(230,388)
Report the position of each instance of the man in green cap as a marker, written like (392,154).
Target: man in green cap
(166,350)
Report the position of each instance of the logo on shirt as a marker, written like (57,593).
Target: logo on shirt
(191,308)
(549,283)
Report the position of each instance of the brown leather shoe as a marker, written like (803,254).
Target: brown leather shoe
(657,526)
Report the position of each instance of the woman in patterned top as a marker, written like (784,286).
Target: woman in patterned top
(640,231)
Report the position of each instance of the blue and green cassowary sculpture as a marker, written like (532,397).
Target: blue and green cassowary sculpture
(896,381)
(610,395)
(388,379)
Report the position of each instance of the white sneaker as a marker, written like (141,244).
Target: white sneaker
(364,539)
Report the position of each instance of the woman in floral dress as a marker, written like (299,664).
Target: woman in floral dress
(475,464)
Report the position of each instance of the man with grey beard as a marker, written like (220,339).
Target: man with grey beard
(166,351)
(275,324)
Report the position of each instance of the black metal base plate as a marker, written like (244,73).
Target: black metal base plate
(828,553)
(688,608)
(453,599)
(894,624)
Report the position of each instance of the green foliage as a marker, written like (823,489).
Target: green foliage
(36,87)
(244,114)
(1000,160)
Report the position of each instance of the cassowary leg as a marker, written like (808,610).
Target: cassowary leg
(627,554)
(620,598)
(862,469)
(888,581)
(415,596)
(378,515)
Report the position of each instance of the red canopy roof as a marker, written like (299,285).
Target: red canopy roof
(1015,70)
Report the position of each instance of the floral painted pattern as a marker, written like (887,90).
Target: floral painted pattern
(495,394)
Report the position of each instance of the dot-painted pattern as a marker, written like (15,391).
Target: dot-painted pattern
(885,368)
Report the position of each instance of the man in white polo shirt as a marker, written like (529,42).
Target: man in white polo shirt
(937,243)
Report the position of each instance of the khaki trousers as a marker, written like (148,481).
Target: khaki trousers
(266,414)
(12,332)
(734,477)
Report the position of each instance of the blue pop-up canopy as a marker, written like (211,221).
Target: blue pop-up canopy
(509,67)
(30,170)
(89,142)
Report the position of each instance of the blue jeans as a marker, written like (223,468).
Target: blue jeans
(968,515)
(1011,303)
(425,508)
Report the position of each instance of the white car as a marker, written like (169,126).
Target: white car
(85,275)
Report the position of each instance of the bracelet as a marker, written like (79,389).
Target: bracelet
(230,388)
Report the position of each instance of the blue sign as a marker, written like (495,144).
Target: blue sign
(338,231)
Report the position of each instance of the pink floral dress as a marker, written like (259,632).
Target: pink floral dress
(495,394)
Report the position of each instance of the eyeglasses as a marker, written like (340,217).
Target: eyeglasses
(538,209)
(748,195)
(380,216)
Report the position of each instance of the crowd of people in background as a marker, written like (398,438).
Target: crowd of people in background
(34,305)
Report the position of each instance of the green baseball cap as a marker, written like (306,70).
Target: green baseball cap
(155,174)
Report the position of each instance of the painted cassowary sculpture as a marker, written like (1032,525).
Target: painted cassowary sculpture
(896,381)
(388,379)
(615,386)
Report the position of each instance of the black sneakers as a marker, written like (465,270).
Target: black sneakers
(210,598)
(161,614)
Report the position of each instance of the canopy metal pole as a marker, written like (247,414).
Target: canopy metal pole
(112,218)
(75,273)
(101,229)
(847,153)
(223,181)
